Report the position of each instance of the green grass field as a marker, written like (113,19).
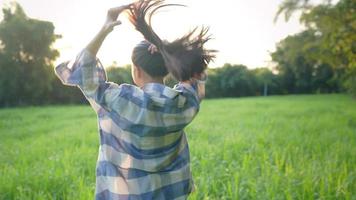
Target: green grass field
(290,147)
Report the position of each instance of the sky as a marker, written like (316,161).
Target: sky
(243,30)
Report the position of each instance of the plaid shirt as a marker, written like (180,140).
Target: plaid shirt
(143,151)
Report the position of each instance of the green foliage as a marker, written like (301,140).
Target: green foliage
(300,66)
(290,147)
(119,75)
(336,25)
(351,82)
(26,58)
(267,81)
(288,7)
(331,28)
(237,80)
(230,81)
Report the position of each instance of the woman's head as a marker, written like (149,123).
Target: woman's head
(183,58)
(147,64)
(151,62)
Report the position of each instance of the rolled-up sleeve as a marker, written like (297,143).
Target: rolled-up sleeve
(87,73)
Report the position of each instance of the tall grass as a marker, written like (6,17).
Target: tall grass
(291,147)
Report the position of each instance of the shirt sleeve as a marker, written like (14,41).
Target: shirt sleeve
(87,73)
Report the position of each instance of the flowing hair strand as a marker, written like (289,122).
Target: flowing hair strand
(184,57)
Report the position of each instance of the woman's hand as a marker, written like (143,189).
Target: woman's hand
(111,21)
(152,49)
(111,18)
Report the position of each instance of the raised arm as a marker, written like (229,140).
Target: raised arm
(111,21)
(86,71)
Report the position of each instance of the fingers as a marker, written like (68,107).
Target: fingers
(113,13)
(112,16)
(152,49)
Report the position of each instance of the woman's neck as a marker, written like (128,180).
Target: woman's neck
(152,80)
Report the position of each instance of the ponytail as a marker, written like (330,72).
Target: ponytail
(184,57)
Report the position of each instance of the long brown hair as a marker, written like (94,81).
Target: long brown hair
(183,57)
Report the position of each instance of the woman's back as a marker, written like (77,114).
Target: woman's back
(143,151)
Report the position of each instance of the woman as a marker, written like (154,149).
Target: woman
(143,152)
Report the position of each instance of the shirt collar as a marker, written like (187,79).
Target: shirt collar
(160,90)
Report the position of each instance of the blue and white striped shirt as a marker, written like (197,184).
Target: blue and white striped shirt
(144,152)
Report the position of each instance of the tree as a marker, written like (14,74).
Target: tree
(300,66)
(293,63)
(267,82)
(119,75)
(335,25)
(289,7)
(326,79)
(231,81)
(26,58)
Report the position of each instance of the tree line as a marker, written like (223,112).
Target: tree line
(321,59)
(326,48)
(238,81)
